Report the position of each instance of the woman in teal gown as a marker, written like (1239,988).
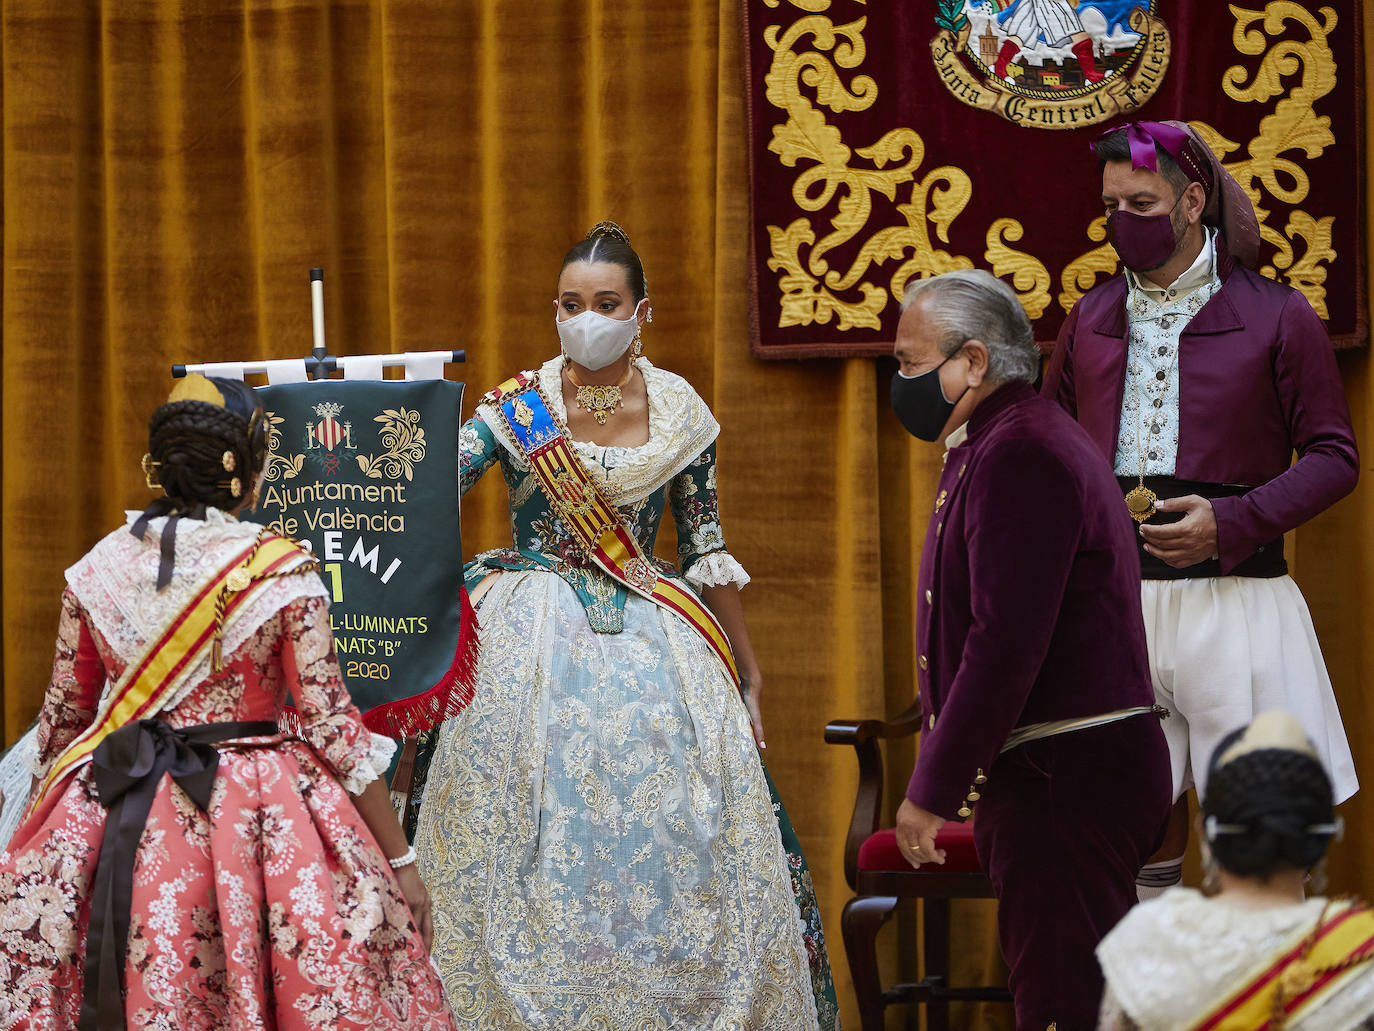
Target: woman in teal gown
(601,842)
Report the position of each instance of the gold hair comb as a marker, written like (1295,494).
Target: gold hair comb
(608,229)
(196,387)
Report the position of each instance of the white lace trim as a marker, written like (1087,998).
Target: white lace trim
(17,769)
(1171,958)
(716,570)
(116,583)
(373,765)
(25,752)
(681,427)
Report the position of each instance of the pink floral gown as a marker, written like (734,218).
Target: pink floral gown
(275,908)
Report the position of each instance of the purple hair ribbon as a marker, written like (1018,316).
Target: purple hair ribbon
(1142,138)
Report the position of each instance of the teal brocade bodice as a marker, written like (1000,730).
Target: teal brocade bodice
(539,539)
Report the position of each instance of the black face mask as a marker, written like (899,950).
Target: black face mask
(920,402)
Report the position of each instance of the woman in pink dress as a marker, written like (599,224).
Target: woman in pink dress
(264,882)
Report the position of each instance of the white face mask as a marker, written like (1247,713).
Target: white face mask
(594,341)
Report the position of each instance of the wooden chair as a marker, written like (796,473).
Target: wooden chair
(881,878)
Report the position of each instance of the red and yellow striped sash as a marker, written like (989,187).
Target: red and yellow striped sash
(591,518)
(1299,977)
(150,681)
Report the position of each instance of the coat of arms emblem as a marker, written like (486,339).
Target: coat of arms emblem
(1051,64)
(328,434)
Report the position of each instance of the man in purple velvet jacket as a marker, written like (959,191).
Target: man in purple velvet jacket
(1197,379)
(1031,652)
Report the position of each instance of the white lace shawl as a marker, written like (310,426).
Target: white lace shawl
(116,583)
(681,427)
(1172,959)
(17,770)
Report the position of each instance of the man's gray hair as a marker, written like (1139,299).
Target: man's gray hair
(971,304)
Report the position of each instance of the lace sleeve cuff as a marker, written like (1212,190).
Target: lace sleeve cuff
(716,570)
(26,753)
(374,765)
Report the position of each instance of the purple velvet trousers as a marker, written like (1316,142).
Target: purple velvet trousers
(1063,827)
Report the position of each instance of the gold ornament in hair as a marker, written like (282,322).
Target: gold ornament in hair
(150,471)
(228,461)
(195,387)
(608,229)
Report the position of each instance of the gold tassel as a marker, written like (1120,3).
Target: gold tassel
(217,648)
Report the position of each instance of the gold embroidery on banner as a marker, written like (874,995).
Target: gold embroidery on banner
(279,466)
(1118,95)
(1272,162)
(808,5)
(404,440)
(1080,274)
(1293,126)
(1028,274)
(811,290)
(841,181)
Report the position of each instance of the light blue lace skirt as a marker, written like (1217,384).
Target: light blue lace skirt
(598,835)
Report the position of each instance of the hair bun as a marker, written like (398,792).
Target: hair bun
(608,229)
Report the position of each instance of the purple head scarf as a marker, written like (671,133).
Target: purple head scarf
(1228,206)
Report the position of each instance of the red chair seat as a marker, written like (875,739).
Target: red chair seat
(880,852)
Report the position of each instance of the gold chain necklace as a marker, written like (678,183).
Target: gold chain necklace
(599,399)
(1140,499)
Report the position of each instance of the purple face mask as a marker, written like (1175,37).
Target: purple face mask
(1144,242)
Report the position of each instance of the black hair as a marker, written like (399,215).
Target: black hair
(1276,794)
(189,441)
(1116,147)
(613,247)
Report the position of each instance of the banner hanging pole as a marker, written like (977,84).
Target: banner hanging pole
(317,310)
(320,363)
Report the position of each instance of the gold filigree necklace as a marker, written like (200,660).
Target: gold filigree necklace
(599,399)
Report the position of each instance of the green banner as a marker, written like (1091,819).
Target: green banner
(365,473)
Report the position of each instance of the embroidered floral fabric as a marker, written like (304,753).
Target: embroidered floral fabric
(117,583)
(541,541)
(274,909)
(1147,439)
(597,834)
(596,830)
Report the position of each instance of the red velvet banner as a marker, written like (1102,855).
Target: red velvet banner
(893,139)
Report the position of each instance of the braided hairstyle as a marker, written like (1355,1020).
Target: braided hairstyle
(189,440)
(1276,794)
(608,243)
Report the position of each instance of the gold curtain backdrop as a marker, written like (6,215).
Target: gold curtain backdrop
(171,169)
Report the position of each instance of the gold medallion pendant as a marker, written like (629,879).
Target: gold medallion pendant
(598,399)
(1140,501)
